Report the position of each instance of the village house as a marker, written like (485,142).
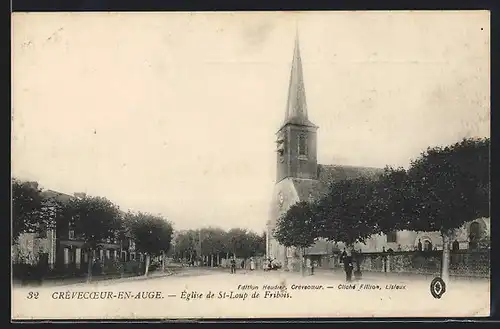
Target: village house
(61,249)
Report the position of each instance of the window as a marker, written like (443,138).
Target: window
(71,234)
(302,145)
(392,237)
(474,231)
(474,235)
(42,232)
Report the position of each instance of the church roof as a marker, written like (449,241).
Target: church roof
(312,189)
(330,173)
(309,189)
(296,107)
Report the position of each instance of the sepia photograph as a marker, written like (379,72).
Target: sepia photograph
(250,165)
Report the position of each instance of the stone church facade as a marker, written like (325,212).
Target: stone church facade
(299,177)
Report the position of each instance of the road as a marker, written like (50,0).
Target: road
(321,295)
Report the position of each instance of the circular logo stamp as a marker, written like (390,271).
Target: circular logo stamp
(438,287)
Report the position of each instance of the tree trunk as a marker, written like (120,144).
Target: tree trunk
(163,261)
(218,259)
(146,270)
(445,273)
(89,267)
(303,262)
(285,265)
(212,260)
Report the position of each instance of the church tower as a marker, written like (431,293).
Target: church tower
(296,139)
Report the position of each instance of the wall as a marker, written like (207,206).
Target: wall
(290,197)
(29,246)
(408,240)
(306,167)
(462,263)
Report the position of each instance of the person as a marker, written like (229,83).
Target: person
(313,265)
(233,266)
(348,267)
(242,264)
(308,265)
(343,256)
(252,264)
(419,245)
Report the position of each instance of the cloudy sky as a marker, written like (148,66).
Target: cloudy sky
(176,113)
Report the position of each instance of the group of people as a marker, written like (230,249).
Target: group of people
(345,258)
(242,264)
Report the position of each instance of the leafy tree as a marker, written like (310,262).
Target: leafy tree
(298,227)
(26,204)
(217,243)
(152,234)
(237,241)
(213,243)
(256,244)
(186,245)
(449,186)
(390,203)
(94,219)
(346,213)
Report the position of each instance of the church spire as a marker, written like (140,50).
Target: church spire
(296,108)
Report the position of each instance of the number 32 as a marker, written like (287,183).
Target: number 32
(32,295)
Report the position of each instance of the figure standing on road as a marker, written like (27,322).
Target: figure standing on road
(348,267)
(252,264)
(242,264)
(233,266)
(343,256)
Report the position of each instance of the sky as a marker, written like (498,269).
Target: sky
(176,113)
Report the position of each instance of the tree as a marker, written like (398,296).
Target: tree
(346,212)
(236,241)
(152,234)
(448,186)
(213,243)
(94,219)
(389,203)
(298,227)
(186,245)
(26,205)
(256,244)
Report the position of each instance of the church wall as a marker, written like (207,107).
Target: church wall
(290,197)
(408,240)
(303,167)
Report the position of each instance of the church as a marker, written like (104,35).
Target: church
(299,177)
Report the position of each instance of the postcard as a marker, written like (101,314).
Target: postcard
(208,165)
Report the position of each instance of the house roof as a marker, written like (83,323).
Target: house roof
(57,195)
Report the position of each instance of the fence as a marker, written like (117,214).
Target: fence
(462,263)
(25,272)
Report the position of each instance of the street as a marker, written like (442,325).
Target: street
(184,295)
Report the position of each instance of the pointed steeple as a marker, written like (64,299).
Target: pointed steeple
(296,107)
